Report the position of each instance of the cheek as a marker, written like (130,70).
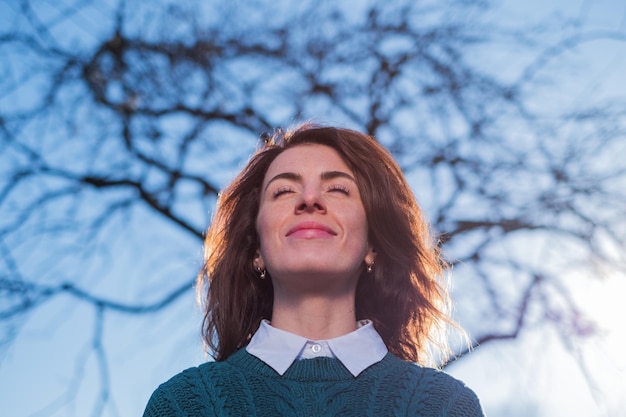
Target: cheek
(264,227)
(357,229)
(358,221)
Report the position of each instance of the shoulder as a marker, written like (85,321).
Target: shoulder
(196,376)
(434,392)
(206,390)
(191,392)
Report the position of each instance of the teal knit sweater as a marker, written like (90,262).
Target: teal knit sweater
(243,385)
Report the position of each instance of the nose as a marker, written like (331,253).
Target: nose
(311,201)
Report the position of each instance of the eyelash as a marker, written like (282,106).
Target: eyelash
(280,191)
(336,187)
(340,188)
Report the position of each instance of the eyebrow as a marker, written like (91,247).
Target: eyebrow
(326,175)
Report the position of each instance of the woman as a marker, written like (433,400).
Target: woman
(323,291)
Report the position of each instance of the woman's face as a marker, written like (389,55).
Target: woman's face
(311,223)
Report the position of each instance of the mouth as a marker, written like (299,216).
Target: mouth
(311,230)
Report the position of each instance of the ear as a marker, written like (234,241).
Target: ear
(258,262)
(370,257)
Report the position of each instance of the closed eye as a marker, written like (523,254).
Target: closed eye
(339,188)
(281,190)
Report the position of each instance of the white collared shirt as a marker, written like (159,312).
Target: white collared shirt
(357,350)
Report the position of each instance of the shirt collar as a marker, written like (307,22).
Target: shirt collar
(357,350)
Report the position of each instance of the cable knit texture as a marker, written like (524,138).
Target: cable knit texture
(243,385)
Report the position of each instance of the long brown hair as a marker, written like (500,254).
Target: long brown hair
(405,295)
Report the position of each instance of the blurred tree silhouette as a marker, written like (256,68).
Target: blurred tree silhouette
(120,123)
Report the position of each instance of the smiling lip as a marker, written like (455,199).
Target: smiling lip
(311,230)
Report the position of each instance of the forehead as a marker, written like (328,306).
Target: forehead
(307,158)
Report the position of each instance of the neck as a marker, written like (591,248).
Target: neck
(315,317)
